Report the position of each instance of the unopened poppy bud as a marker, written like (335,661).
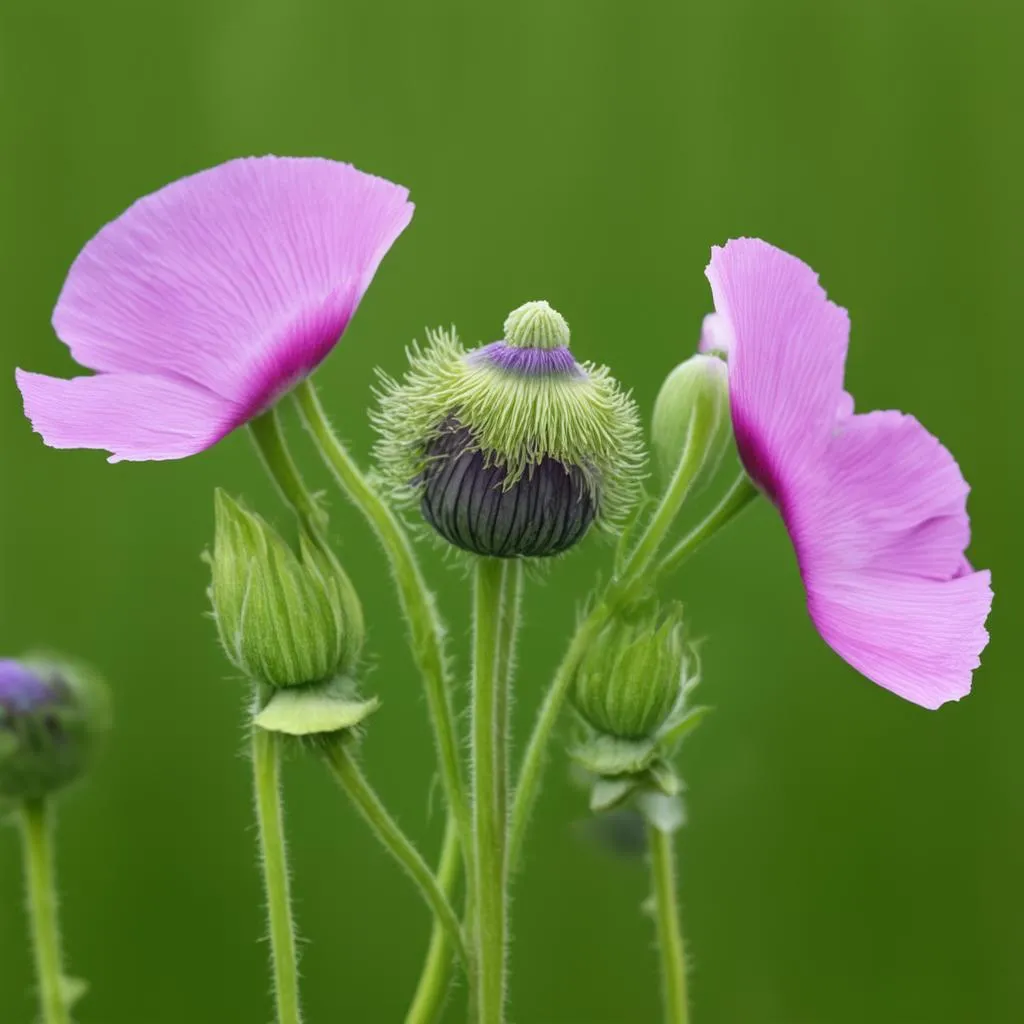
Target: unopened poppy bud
(697,387)
(285,618)
(52,714)
(512,449)
(632,678)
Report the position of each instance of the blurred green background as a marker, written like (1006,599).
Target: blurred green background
(849,857)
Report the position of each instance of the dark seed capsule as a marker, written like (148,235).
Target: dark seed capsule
(544,513)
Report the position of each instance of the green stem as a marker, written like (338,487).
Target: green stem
(432,989)
(489,827)
(266,764)
(268,435)
(272,445)
(670,938)
(435,978)
(636,572)
(426,630)
(37,838)
(532,768)
(736,499)
(358,789)
(505,663)
(703,424)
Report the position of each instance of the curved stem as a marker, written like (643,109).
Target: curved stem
(670,938)
(268,436)
(635,572)
(532,768)
(432,988)
(736,499)
(37,838)
(358,789)
(702,425)
(426,630)
(266,764)
(489,827)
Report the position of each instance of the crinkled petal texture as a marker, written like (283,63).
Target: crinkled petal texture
(875,505)
(206,300)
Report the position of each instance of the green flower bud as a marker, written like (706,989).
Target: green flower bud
(701,379)
(284,618)
(52,713)
(512,449)
(632,678)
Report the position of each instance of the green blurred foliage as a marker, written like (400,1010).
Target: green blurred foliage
(849,857)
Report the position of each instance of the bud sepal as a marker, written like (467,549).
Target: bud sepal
(315,710)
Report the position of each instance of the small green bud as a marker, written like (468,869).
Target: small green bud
(52,713)
(632,678)
(700,380)
(284,618)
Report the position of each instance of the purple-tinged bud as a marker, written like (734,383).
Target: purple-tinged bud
(51,715)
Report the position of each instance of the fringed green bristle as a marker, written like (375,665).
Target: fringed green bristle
(516,420)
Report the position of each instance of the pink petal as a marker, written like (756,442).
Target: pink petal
(239,278)
(887,498)
(786,363)
(919,638)
(876,506)
(132,415)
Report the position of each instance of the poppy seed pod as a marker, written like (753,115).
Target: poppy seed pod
(512,449)
(51,715)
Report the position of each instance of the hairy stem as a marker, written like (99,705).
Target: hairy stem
(489,761)
(505,663)
(432,989)
(268,436)
(702,426)
(736,499)
(357,787)
(532,768)
(266,765)
(425,628)
(37,839)
(670,938)
(636,573)
(435,977)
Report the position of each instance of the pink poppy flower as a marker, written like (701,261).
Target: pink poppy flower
(875,506)
(205,301)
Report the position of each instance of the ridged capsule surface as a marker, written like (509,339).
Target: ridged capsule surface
(544,513)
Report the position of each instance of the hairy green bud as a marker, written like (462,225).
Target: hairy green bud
(512,449)
(700,379)
(52,714)
(632,677)
(285,618)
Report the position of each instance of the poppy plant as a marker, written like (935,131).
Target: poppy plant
(875,506)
